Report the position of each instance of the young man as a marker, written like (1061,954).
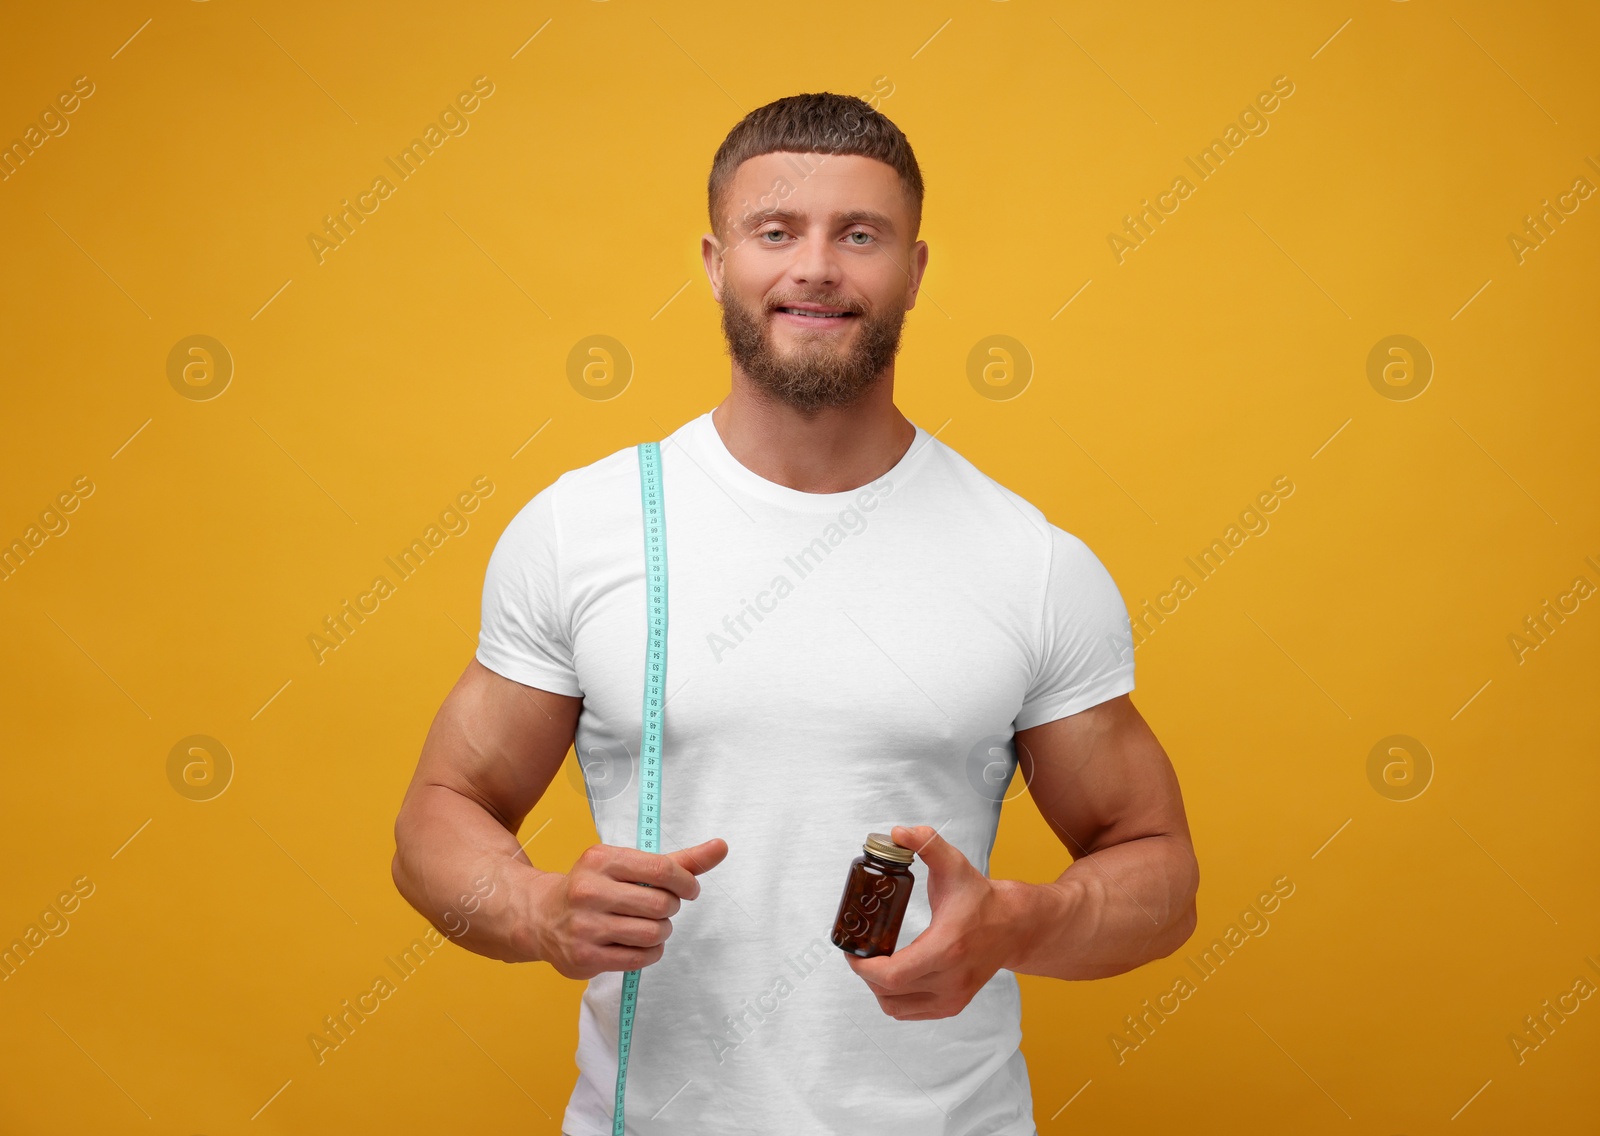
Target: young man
(865,634)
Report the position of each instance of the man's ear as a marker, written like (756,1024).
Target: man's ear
(917,265)
(712,252)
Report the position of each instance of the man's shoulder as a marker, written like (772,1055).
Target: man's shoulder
(595,485)
(988,497)
(1003,518)
(588,500)
(586,485)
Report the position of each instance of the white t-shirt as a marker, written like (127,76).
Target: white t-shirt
(837,663)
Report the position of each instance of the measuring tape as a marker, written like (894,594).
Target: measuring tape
(655,677)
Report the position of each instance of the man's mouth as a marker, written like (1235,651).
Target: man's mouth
(815,313)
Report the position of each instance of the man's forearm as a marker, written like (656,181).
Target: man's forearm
(1109,912)
(466,874)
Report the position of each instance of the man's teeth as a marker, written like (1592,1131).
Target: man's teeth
(814,315)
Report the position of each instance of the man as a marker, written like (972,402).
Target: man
(861,628)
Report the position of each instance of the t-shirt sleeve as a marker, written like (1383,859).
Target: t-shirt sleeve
(525,633)
(1084,648)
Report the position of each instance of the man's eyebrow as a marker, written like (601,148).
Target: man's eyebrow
(847,217)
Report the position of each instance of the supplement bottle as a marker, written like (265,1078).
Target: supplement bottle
(876,892)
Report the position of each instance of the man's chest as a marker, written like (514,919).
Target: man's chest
(896,636)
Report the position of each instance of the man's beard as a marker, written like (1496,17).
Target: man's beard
(817,373)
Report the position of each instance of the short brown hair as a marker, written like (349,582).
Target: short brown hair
(822,123)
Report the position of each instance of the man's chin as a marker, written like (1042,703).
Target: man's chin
(810,394)
(779,328)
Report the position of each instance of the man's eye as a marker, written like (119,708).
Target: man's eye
(771,233)
(859,233)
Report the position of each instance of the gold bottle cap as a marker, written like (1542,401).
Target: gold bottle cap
(879,844)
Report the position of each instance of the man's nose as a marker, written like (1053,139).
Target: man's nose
(816,261)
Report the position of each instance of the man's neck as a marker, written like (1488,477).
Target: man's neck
(835,451)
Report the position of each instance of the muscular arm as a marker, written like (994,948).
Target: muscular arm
(492,749)
(1105,786)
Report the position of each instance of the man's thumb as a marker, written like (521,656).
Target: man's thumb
(702,857)
(926,842)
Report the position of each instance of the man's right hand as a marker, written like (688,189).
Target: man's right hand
(492,751)
(597,918)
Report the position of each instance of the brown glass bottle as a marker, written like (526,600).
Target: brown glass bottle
(876,892)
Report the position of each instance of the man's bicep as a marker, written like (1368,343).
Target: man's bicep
(1099,777)
(498,742)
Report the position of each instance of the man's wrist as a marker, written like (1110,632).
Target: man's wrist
(1034,917)
(526,931)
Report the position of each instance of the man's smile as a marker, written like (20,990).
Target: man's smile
(813,315)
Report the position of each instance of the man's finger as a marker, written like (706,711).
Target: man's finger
(913,1007)
(702,857)
(626,931)
(647,903)
(654,869)
(922,987)
(934,850)
(914,836)
(907,970)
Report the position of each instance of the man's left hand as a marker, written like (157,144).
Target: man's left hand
(971,932)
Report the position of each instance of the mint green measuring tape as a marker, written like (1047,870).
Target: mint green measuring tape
(655,677)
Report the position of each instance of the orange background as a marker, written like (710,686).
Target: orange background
(232,511)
